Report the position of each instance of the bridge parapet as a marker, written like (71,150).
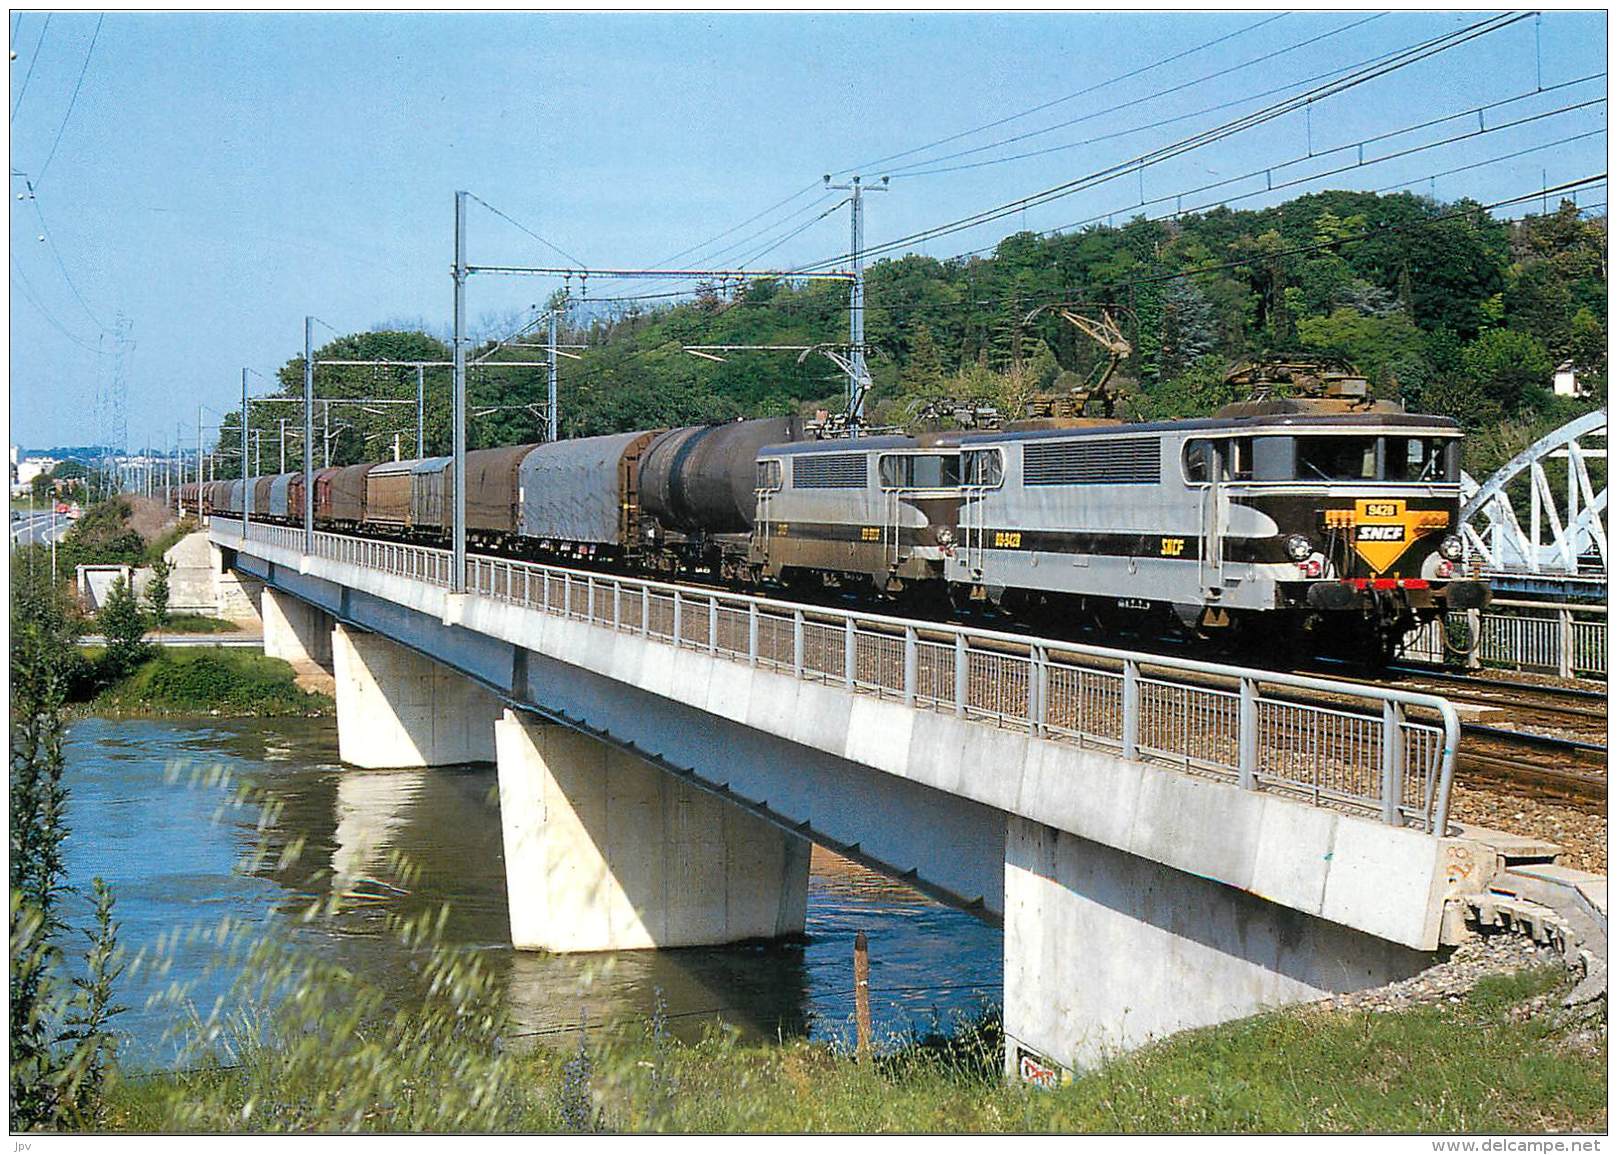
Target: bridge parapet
(1360,749)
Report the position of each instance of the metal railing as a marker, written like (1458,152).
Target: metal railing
(1549,637)
(1360,748)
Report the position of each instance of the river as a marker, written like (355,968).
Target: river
(179,855)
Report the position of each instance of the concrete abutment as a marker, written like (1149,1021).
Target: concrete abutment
(1106,951)
(604,851)
(398,709)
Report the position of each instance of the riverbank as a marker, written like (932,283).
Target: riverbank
(215,682)
(1499,1056)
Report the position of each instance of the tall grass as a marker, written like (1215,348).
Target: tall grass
(304,1045)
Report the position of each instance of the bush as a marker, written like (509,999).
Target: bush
(157,593)
(124,627)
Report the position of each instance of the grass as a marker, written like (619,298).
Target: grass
(1502,1059)
(242,684)
(198,624)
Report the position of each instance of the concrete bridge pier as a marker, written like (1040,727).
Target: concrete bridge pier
(604,851)
(296,631)
(397,709)
(1106,950)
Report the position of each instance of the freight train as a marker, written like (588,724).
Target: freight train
(1337,528)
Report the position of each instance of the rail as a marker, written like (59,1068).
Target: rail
(1329,743)
(1548,637)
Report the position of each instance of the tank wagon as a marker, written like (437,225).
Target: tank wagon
(1328,524)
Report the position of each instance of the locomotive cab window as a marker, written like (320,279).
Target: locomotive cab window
(1336,458)
(1227,459)
(769,476)
(984,467)
(1422,459)
(919,470)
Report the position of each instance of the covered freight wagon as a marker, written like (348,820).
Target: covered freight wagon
(493,498)
(583,492)
(279,505)
(387,495)
(347,489)
(432,495)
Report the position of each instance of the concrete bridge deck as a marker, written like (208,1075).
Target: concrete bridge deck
(1168,843)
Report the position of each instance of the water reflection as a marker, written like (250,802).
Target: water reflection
(403,843)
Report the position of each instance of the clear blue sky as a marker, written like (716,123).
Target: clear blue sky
(221,175)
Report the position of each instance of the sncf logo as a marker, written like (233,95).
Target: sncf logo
(1381,533)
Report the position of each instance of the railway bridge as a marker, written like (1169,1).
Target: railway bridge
(1167,843)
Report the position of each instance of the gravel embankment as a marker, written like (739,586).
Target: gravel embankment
(1582,836)
(1448,981)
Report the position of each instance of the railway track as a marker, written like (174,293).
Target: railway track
(1549,746)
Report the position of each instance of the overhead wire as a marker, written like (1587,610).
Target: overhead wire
(1189,116)
(699,246)
(891,307)
(50,242)
(1414,54)
(524,228)
(968,132)
(29,75)
(867,165)
(1114,109)
(1274,186)
(72,101)
(31,294)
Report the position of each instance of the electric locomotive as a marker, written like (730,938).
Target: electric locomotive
(1336,524)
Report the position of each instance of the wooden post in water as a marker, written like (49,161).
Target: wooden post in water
(861,993)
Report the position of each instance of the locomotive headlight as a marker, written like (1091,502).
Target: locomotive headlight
(1452,547)
(945,536)
(1299,548)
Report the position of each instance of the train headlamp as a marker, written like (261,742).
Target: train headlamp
(1299,548)
(1451,547)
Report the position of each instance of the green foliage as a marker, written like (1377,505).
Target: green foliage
(122,624)
(1398,282)
(200,624)
(1510,369)
(1197,391)
(102,537)
(1382,347)
(1497,1061)
(60,1038)
(157,592)
(200,681)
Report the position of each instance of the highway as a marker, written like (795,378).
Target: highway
(38,528)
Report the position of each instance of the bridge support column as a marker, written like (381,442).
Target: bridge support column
(604,851)
(295,631)
(398,709)
(1105,951)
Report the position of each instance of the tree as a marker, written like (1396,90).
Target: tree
(1509,368)
(1375,344)
(157,592)
(1188,328)
(124,628)
(924,372)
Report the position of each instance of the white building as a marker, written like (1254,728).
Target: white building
(1566,381)
(31,467)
